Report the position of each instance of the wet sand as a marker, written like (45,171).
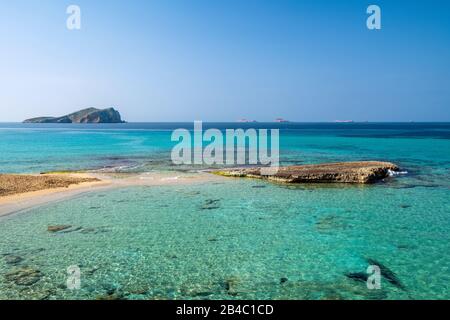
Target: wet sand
(29,192)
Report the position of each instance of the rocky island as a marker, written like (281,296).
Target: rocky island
(89,115)
(341,172)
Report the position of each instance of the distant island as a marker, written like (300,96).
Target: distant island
(89,115)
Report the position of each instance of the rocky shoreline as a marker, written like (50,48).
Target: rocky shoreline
(361,172)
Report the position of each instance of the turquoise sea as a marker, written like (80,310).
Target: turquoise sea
(236,239)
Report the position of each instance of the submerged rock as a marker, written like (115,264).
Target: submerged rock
(58,228)
(198,294)
(24,276)
(357,276)
(342,172)
(406,246)
(336,290)
(94,230)
(91,271)
(211,204)
(193,193)
(88,230)
(230,286)
(387,273)
(13,259)
(45,294)
(112,292)
(113,296)
(69,229)
(74,229)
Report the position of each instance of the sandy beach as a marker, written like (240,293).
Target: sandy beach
(21,192)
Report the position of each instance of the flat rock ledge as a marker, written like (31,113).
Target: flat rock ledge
(362,172)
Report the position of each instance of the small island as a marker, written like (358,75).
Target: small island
(89,115)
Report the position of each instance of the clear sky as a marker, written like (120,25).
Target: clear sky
(222,60)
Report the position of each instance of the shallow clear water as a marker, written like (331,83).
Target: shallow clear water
(240,239)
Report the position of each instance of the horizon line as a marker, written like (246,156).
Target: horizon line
(240,122)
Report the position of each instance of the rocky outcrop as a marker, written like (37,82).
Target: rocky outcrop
(89,115)
(24,276)
(342,172)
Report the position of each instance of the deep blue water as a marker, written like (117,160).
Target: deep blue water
(146,146)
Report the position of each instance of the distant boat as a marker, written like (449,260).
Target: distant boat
(246,120)
(281,120)
(344,121)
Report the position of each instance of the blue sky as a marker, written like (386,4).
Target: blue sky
(222,60)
